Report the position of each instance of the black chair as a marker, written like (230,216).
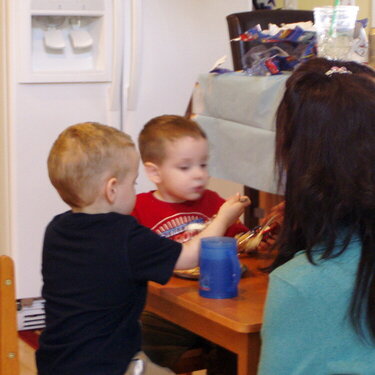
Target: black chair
(238,23)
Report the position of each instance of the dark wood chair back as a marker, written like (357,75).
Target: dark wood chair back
(238,23)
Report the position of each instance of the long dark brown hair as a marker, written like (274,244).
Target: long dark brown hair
(325,155)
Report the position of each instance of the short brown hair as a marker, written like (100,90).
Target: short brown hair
(162,129)
(84,155)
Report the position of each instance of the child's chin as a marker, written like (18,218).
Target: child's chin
(194,196)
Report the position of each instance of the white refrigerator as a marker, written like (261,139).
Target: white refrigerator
(118,62)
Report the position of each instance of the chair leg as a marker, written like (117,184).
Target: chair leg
(9,362)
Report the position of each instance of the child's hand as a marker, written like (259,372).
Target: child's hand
(227,215)
(233,208)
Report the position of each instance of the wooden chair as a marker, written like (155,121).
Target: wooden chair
(192,360)
(238,23)
(9,360)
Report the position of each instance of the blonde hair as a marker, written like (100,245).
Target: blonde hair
(162,129)
(83,156)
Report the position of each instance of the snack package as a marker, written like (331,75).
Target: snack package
(271,54)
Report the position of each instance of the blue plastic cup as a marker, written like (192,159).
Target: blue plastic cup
(220,269)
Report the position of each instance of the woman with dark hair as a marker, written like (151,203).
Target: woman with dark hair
(320,309)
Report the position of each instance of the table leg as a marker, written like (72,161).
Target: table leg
(248,358)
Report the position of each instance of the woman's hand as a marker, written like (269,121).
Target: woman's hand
(270,236)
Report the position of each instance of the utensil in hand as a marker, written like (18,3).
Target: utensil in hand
(249,241)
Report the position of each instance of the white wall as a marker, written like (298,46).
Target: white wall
(4,192)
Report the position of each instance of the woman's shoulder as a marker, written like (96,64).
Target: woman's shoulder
(296,270)
(300,272)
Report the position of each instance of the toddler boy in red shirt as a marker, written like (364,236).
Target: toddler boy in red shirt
(174,152)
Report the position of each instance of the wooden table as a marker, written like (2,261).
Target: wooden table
(232,323)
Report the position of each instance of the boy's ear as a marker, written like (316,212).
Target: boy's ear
(152,171)
(111,189)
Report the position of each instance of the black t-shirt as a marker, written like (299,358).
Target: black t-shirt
(95,272)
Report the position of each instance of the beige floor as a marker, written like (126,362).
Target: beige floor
(27,360)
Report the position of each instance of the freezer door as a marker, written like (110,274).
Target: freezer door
(171,43)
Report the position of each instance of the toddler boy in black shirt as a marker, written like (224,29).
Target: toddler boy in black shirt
(97,259)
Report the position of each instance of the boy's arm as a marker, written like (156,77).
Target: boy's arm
(228,214)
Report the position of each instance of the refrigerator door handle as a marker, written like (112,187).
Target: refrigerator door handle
(135,54)
(114,96)
(115,89)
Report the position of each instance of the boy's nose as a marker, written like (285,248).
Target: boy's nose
(200,172)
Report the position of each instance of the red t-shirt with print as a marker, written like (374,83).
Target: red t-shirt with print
(172,220)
